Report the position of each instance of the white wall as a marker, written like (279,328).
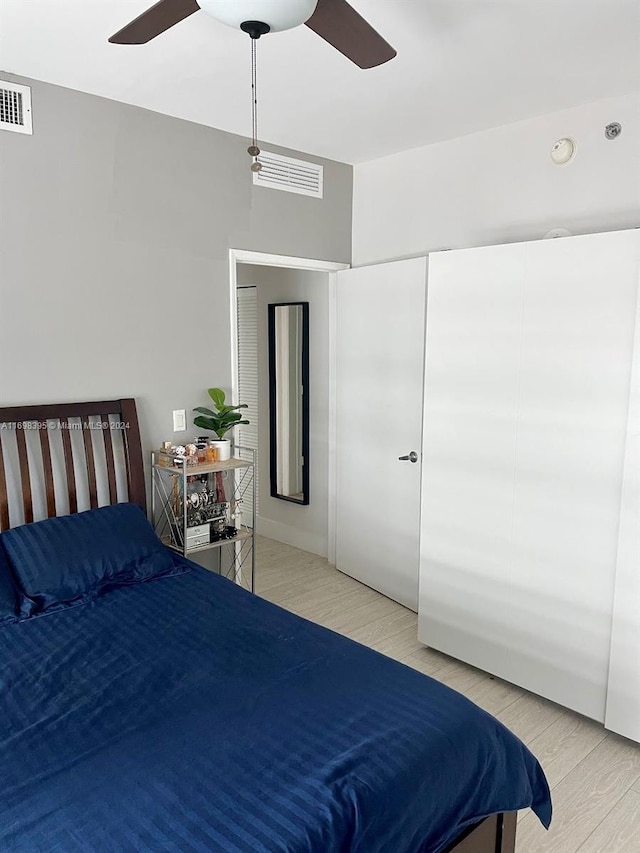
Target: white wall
(501,186)
(303,526)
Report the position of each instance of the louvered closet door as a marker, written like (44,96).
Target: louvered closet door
(247,436)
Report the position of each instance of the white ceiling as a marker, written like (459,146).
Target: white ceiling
(462,66)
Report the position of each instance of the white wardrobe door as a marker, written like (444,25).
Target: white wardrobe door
(474,308)
(577,341)
(623,695)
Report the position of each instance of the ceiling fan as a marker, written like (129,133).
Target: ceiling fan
(333,20)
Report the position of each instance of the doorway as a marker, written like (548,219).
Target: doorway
(275,278)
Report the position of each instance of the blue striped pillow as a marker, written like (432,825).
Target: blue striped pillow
(72,559)
(8,600)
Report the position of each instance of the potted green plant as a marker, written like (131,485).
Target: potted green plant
(220,420)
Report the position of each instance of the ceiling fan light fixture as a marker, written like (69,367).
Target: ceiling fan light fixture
(278,14)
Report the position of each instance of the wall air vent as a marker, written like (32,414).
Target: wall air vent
(15,107)
(289,174)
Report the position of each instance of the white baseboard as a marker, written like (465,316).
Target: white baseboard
(314,543)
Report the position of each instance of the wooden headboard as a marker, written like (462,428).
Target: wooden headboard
(103,467)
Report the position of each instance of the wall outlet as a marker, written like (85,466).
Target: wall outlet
(179,420)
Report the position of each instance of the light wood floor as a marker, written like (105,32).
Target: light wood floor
(594,775)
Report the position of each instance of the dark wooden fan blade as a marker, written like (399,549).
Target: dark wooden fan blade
(339,24)
(154,21)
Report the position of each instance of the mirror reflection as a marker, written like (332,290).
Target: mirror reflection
(289,400)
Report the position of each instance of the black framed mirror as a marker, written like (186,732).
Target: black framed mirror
(289,400)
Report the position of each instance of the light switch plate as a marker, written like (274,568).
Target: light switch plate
(179,420)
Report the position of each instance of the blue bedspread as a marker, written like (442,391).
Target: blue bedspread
(184,714)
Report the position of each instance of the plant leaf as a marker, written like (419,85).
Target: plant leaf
(225,409)
(218,396)
(204,411)
(204,423)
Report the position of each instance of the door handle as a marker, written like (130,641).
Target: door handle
(411,457)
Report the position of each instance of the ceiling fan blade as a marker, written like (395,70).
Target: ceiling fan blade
(338,23)
(154,21)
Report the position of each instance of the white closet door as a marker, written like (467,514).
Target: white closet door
(474,308)
(577,341)
(528,364)
(623,694)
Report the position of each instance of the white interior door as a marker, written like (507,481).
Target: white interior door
(379,388)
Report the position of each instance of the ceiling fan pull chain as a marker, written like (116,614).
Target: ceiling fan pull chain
(253,149)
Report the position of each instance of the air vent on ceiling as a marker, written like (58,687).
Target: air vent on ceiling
(15,107)
(289,174)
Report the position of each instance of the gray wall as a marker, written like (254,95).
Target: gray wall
(305,527)
(115,225)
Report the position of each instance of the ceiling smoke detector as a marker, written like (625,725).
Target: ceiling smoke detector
(563,151)
(557,232)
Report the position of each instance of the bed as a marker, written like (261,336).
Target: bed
(148,704)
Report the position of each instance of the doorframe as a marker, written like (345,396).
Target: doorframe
(244,256)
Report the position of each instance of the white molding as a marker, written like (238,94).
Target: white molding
(314,543)
(243,256)
(233,322)
(333,437)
